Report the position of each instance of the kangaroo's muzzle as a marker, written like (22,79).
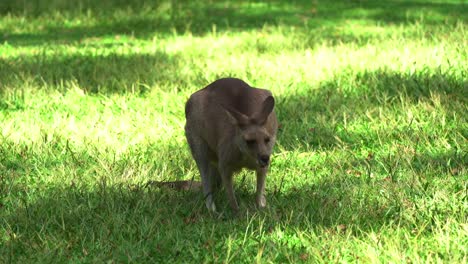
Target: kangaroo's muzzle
(263,160)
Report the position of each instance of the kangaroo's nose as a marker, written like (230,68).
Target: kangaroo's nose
(263,160)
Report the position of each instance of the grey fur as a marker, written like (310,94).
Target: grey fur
(230,126)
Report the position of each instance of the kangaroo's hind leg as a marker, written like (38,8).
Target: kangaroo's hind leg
(200,150)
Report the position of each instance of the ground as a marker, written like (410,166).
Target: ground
(370,164)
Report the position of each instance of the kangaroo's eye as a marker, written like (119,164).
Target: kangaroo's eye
(267,140)
(250,142)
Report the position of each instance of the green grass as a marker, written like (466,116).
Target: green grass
(370,164)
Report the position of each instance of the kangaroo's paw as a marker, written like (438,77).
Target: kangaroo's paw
(261,201)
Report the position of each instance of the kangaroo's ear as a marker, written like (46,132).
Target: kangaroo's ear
(236,117)
(267,107)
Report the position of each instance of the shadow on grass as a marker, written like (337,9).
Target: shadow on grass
(336,112)
(116,73)
(69,221)
(96,73)
(119,222)
(144,19)
(149,224)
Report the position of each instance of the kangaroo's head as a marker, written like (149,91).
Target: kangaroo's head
(252,137)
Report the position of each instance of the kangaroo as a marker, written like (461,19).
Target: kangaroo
(230,126)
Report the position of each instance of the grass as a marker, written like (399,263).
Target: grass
(370,164)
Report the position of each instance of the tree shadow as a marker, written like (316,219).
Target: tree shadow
(144,19)
(105,219)
(110,221)
(111,215)
(321,114)
(95,73)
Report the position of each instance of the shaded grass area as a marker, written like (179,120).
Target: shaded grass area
(415,103)
(93,72)
(72,22)
(135,38)
(370,164)
(122,221)
(338,182)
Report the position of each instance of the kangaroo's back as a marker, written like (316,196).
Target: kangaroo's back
(237,94)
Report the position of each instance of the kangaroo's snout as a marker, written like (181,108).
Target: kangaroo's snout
(263,160)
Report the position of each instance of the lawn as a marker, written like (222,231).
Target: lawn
(371,159)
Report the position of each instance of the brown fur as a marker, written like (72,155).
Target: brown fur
(230,126)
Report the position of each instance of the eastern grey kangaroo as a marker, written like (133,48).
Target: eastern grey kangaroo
(230,126)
